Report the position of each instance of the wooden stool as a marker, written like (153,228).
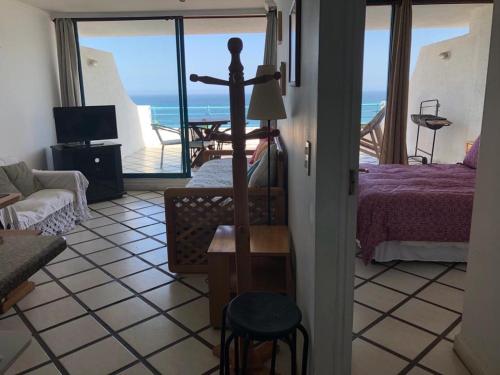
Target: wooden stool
(271,265)
(262,316)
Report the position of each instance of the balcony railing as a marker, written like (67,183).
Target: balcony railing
(170,115)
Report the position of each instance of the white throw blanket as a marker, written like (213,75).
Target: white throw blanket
(213,173)
(55,209)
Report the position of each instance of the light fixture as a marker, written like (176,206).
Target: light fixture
(446,55)
(92,62)
(266,103)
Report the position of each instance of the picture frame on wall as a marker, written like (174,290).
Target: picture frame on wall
(279,29)
(294,26)
(283,78)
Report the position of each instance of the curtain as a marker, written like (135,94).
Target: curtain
(270,49)
(67,56)
(394,140)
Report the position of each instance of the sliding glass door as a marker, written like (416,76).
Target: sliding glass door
(449,60)
(375,76)
(138,66)
(207,54)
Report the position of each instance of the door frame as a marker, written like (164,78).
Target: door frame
(341,27)
(181,80)
(340,70)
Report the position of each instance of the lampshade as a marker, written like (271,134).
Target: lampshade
(266,102)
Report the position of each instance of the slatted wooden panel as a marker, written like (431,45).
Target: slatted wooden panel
(193,215)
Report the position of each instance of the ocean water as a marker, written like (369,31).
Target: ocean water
(165,108)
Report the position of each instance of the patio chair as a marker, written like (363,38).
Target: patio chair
(166,142)
(371,135)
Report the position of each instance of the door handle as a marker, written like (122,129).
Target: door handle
(353,178)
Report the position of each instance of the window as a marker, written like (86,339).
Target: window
(449,60)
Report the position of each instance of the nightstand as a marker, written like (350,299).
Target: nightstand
(271,265)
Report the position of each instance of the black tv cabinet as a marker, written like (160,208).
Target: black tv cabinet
(100,163)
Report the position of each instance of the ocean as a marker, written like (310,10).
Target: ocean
(165,108)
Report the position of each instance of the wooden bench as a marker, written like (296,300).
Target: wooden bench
(193,215)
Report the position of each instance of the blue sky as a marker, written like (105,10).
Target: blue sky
(376,54)
(147,65)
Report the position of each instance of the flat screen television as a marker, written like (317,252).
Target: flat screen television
(85,124)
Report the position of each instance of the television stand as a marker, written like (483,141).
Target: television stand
(83,144)
(90,144)
(100,163)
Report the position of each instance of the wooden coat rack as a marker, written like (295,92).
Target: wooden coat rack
(238,138)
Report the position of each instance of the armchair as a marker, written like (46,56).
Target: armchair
(53,210)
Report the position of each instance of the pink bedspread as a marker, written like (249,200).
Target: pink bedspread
(414,203)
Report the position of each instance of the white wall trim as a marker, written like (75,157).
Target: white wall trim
(163,13)
(339,110)
(468,357)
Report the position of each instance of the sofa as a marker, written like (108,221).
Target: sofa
(53,205)
(194,212)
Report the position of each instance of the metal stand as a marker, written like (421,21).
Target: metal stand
(430,121)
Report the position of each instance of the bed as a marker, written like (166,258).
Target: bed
(417,212)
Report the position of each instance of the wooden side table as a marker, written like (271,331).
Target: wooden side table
(9,199)
(271,265)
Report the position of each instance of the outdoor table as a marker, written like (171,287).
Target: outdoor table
(202,131)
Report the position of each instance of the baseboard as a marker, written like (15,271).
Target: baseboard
(468,357)
(154,183)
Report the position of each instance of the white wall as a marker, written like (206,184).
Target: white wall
(28,83)
(459,84)
(478,344)
(321,112)
(103,86)
(301,108)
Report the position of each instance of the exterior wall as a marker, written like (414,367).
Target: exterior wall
(28,83)
(459,84)
(103,86)
(479,340)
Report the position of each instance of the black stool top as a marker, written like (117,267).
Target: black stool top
(263,315)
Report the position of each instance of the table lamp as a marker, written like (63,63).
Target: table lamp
(266,104)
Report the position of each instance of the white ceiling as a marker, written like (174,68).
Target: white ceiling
(162,27)
(116,6)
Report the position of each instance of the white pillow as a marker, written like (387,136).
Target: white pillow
(259,176)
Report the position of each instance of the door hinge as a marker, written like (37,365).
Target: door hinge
(353,173)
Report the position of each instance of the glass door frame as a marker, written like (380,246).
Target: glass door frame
(182,89)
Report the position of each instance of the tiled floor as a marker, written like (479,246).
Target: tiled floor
(148,160)
(108,304)
(406,315)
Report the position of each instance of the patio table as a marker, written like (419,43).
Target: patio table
(202,131)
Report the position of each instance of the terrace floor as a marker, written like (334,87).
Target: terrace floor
(148,160)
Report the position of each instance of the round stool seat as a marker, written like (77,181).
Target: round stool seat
(263,315)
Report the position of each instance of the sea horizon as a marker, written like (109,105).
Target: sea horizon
(165,107)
